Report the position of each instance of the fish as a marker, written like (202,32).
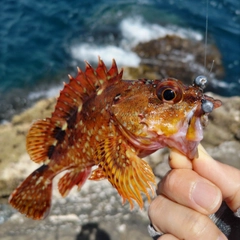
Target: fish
(102,127)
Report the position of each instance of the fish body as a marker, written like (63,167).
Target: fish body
(101,120)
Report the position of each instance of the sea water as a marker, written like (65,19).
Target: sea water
(42,41)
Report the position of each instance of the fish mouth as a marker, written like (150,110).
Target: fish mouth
(190,134)
(198,117)
(194,125)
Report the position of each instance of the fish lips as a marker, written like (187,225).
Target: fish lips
(196,120)
(187,138)
(198,117)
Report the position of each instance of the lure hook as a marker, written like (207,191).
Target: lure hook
(207,106)
(200,81)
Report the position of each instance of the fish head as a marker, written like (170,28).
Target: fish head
(178,114)
(168,114)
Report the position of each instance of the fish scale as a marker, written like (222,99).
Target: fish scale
(105,122)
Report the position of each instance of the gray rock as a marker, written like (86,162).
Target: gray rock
(173,56)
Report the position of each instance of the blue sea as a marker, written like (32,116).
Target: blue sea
(42,41)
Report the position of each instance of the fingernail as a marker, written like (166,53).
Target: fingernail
(222,237)
(205,195)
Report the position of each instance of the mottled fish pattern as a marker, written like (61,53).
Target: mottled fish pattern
(103,121)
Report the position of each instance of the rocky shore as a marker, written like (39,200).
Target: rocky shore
(177,57)
(96,211)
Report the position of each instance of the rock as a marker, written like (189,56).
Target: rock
(40,110)
(227,152)
(95,210)
(13,158)
(173,56)
(224,122)
(12,147)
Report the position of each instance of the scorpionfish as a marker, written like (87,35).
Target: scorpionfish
(105,122)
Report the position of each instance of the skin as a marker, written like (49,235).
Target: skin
(193,190)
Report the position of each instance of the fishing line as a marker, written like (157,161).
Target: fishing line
(211,66)
(206,37)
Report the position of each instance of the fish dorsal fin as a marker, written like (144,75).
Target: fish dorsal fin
(83,86)
(44,135)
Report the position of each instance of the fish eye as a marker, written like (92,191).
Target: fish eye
(168,94)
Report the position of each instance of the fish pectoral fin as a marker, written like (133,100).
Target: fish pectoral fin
(128,173)
(43,137)
(97,174)
(72,178)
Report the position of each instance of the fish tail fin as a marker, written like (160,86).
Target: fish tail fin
(33,196)
(72,178)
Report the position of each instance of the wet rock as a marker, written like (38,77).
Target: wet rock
(173,56)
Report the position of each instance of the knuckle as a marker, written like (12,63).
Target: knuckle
(172,181)
(199,226)
(155,207)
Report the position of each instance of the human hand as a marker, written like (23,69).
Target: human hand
(190,192)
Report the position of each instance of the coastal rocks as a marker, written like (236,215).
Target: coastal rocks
(221,137)
(173,56)
(94,211)
(41,109)
(14,162)
(224,121)
(11,103)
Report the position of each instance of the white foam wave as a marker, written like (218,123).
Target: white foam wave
(107,53)
(51,92)
(134,30)
(223,84)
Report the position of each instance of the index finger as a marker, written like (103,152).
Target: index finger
(225,177)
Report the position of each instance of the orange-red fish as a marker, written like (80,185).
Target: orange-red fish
(104,121)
